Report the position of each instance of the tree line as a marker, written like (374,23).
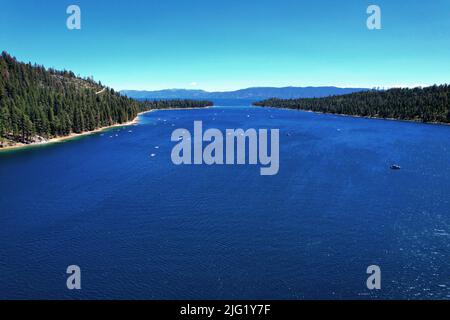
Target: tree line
(175,103)
(430,104)
(35,101)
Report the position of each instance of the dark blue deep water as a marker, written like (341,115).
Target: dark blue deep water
(142,228)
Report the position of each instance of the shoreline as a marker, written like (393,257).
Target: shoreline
(135,121)
(361,117)
(193,108)
(71,136)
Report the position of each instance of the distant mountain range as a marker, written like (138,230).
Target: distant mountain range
(258,93)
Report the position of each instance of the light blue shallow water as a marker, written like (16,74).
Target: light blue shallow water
(141,227)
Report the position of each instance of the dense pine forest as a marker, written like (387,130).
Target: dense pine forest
(430,104)
(38,103)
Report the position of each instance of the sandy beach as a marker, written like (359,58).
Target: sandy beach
(75,135)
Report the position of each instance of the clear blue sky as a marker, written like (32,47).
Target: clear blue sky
(231,44)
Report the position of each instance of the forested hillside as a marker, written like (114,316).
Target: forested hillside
(38,103)
(430,104)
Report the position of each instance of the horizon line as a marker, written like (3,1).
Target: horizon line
(397,86)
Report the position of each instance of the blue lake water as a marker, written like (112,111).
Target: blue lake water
(142,228)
